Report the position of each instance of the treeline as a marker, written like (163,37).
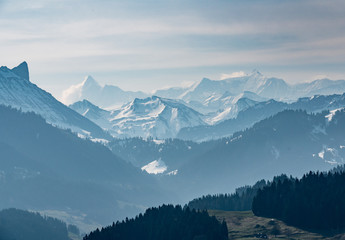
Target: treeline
(167,222)
(316,201)
(23,225)
(241,200)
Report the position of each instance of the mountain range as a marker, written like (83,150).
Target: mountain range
(290,142)
(17,91)
(208,109)
(167,118)
(51,163)
(153,116)
(203,95)
(259,111)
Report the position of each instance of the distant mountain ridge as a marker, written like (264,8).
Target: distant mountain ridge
(146,118)
(259,111)
(103,96)
(150,117)
(201,92)
(218,100)
(17,91)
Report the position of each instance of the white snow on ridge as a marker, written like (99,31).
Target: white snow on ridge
(332,113)
(150,117)
(172,173)
(155,167)
(158,142)
(330,155)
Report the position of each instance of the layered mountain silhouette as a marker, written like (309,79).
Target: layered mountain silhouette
(52,170)
(259,111)
(17,91)
(202,93)
(290,142)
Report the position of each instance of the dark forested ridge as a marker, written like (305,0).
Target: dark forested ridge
(165,223)
(23,225)
(241,200)
(316,201)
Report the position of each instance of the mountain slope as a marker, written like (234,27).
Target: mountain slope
(18,92)
(52,170)
(23,225)
(291,142)
(150,117)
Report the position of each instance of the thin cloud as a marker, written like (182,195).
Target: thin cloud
(232,75)
(105,36)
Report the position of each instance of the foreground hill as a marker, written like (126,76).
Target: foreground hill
(23,225)
(52,170)
(165,223)
(245,225)
(316,201)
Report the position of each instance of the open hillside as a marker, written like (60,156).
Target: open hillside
(245,225)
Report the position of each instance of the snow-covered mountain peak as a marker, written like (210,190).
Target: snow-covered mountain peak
(89,81)
(148,117)
(150,106)
(107,96)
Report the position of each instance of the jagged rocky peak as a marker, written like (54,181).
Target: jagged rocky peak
(19,72)
(22,70)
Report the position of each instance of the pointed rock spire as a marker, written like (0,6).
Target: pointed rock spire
(90,81)
(22,70)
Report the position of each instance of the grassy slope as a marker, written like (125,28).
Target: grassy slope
(244,225)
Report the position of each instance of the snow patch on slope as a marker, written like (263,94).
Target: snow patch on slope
(155,167)
(332,113)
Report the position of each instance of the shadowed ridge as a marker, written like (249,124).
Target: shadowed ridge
(22,70)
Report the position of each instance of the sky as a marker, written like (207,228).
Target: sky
(148,44)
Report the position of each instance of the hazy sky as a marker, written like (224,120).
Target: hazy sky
(146,45)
